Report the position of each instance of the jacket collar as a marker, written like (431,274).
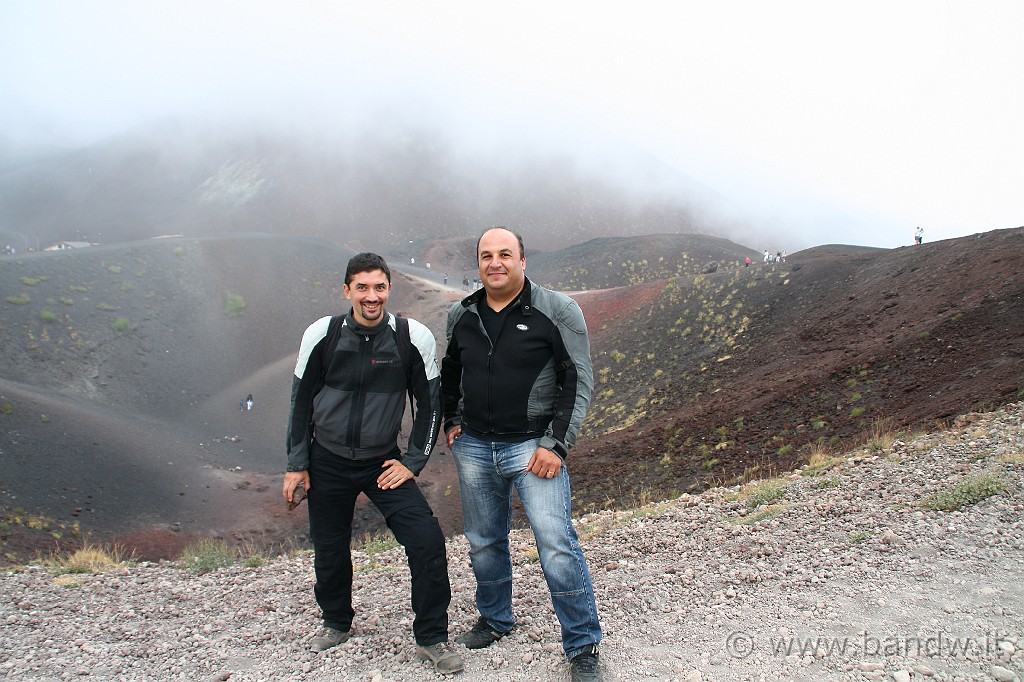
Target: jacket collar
(524,300)
(350,322)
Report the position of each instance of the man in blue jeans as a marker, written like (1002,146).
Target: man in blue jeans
(516,382)
(348,398)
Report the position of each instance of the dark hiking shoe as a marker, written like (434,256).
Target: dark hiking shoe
(585,668)
(328,639)
(480,636)
(445,661)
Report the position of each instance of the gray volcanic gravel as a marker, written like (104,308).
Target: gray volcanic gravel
(844,576)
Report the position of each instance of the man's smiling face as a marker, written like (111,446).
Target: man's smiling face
(368,292)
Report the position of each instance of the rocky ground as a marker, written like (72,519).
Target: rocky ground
(836,572)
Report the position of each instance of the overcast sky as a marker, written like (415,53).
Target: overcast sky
(826,122)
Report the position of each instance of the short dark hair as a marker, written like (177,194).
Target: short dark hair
(519,238)
(365,262)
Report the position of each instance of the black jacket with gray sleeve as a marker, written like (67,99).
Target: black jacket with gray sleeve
(534,380)
(355,408)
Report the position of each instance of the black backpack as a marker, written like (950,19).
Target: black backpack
(402,339)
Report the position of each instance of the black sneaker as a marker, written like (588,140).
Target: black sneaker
(585,668)
(482,635)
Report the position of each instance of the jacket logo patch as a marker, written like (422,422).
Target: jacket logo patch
(521,327)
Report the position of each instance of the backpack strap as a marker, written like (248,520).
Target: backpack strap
(405,350)
(333,335)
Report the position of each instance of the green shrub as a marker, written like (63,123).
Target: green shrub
(375,543)
(857,412)
(207,555)
(47,316)
(20,299)
(235,305)
(762,492)
(122,325)
(764,514)
(967,491)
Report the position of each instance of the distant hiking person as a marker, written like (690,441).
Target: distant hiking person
(248,402)
(919,236)
(241,405)
(348,397)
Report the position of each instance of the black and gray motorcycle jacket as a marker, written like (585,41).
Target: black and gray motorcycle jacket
(534,380)
(355,408)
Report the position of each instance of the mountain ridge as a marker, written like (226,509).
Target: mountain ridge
(777,362)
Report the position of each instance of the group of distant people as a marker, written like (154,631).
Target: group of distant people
(245,405)
(510,395)
(9,250)
(777,257)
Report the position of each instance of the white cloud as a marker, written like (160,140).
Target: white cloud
(850,122)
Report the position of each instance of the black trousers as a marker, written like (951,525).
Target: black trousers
(335,483)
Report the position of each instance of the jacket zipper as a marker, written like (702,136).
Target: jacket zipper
(355,415)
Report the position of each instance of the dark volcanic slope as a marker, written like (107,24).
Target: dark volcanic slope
(619,261)
(701,379)
(121,379)
(123,368)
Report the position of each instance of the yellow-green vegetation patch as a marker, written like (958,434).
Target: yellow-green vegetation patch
(766,513)
(967,491)
(106,307)
(819,463)
(68,580)
(373,545)
(858,536)
(882,435)
(208,554)
(761,492)
(90,559)
(234,304)
(20,299)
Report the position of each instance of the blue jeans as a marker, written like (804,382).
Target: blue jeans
(488,472)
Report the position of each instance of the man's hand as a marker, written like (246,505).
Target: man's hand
(291,480)
(452,434)
(545,463)
(395,474)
